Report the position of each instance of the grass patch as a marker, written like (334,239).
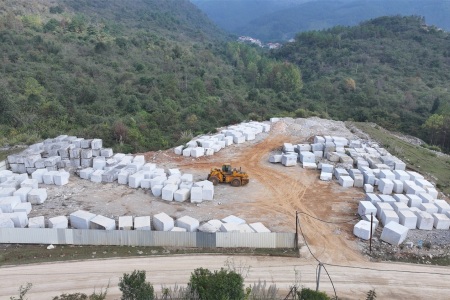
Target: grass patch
(15,254)
(417,158)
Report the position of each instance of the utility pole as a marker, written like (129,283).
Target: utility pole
(371,226)
(318,277)
(296,230)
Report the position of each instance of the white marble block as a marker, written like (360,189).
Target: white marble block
(442,206)
(36,222)
(23,207)
(407,218)
(426,198)
(181,195)
(58,222)
(7,204)
(362,229)
(134,180)
(37,196)
(229,227)
(208,192)
(196,194)
(275,158)
(324,176)
(81,219)
(346,181)
(398,186)
(189,223)
(429,208)
(61,178)
(259,227)
(157,190)
(388,216)
(126,223)
(368,188)
(425,220)
(233,219)
(289,160)
(162,222)
(86,173)
(142,223)
(385,186)
(168,192)
(394,233)
(441,221)
(102,223)
(32,183)
(366,208)
(401,198)
(22,193)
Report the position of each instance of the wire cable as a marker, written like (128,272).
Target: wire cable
(332,284)
(306,243)
(329,222)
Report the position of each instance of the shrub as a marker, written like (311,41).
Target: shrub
(220,285)
(308,294)
(134,287)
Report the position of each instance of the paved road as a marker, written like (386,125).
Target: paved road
(52,279)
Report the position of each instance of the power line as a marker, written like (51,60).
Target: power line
(332,284)
(329,222)
(384,270)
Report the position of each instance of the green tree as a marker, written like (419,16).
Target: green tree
(134,287)
(308,294)
(217,285)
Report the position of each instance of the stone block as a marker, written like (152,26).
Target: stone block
(357,176)
(413,176)
(394,233)
(168,192)
(398,186)
(196,194)
(158,180)
(326,168)
(106,152)
(36,222)
(368,188)
(181,195)
(289,160)
(303,147)
(319,139)
(333,156)
(6,192)
(414,189)
(258,227)
(197,152)
(86,173)
(385,186)
(189,223)
(238,139)
(86,162)
(208,192)
(371,218)
(428,207)
(37,196)
(317,147)
(338,172)
(398,206)
(23,207)
(387,199)
(134,180)
(275,158)
(99,163)
(401,175)
(388,216)
(100,222)
(369,178)
(61,178)
(326,176)
(97,175)
(426,198)
(307,157)
(399,165)
(229,227)
(413,200)
(233,219)
(425,220)
(145,184)
(442,206)
(162,222)
(387,174)
(96,144)
(382,206)
(401,198)
(51,161)
(206,227)
(142,223)
(441,221)
(187,152)
(346,181)
(126,223)
(19,219)
(373,198)
(362,229)
(7,204)
(22,193)
(178,229)
(58,222)
(48,177)
(366,208)
(81,219)
(157,190)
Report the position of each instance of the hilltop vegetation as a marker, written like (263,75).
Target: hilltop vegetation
(142,74)
(392,71)
(275,20)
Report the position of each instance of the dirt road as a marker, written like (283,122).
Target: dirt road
(56,278)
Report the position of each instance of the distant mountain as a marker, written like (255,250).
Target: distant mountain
(273,22)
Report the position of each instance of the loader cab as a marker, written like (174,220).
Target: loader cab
(226,168)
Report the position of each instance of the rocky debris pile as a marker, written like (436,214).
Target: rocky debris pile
(210,144)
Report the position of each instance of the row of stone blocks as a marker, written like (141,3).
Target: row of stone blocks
(161,222)
(235,134)
(60,152)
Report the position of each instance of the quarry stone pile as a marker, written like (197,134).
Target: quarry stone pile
(209,144)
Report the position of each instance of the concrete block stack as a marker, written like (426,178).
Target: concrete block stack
(210,144)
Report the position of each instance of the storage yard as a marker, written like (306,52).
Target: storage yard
(101,198)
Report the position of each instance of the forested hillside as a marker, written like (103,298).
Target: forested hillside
(141,74)
(281,20)
(391,70)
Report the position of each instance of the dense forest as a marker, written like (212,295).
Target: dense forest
(390,70)
(141,74)
(149,74)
